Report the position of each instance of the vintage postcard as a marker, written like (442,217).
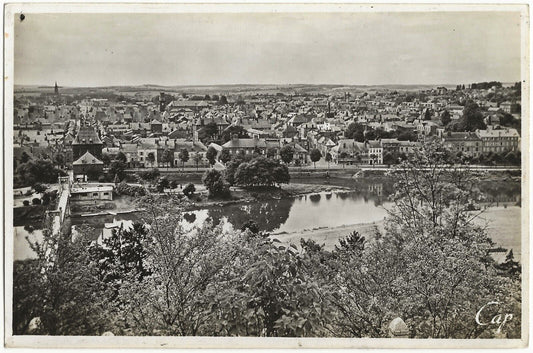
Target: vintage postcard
(266,175)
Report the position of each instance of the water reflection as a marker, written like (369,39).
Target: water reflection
(364,203)
(269,215)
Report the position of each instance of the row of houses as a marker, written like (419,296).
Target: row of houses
(482,141)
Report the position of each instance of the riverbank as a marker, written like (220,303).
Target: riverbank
(503,226)
(245,195)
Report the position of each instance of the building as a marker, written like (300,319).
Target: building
(501,140)
(348,151)
(87,140)
(245,145)
(506,107)
(91,192)
(375,152)
(468,143)
(87,167)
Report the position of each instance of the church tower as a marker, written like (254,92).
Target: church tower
(56,89)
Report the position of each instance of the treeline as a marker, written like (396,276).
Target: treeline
(486,85)
(432,268)
(30,172)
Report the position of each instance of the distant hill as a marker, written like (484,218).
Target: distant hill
(233,88)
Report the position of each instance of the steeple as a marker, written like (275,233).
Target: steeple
(56,89)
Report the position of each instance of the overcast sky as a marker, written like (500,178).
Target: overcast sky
(189,49)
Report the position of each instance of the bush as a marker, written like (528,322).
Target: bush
(26,203)
(189,190)
(39,188)
(36,201)
(150,175)
(173,184)
(46,199)
(130,190)
(162,184)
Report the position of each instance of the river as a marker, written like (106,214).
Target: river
(366,202)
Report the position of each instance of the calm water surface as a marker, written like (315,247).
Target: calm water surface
(366,202)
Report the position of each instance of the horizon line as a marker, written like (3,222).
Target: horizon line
(261,84)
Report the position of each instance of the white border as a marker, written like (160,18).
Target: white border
(227,342)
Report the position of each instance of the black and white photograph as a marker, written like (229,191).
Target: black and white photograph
(266,175)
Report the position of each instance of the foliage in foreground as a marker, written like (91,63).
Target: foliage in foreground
(432,267)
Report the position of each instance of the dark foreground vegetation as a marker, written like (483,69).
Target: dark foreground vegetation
(431,267)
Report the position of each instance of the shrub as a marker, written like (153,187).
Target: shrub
(150,175)
(26,203)
(39,188)
(130,190)
(36,201)
(189,190)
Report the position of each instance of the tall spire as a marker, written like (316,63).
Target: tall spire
(56,89)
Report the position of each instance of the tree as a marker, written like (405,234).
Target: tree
(167,157)
(445,118)
(26,203)
(234,131)
(215,184)
(121,157)
(427,114)
(197,158)
(39,188)
(72,300)
(355,131)
(251,226)
(432,203)
(261,171)
(315,156)
(328,158)
(388,158)
(223,100)
(183,156)
(36,171)
(106,159)
(231,168)
(24,158)
(225,156)
(162,184)
(211,155)
(150,175)
(59,159)
(472,118)
(210,129)
(271,152)
(150,158)
(353,242)
(117,168)
(286,153)
(189,190)
(122,254)
(342,156)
